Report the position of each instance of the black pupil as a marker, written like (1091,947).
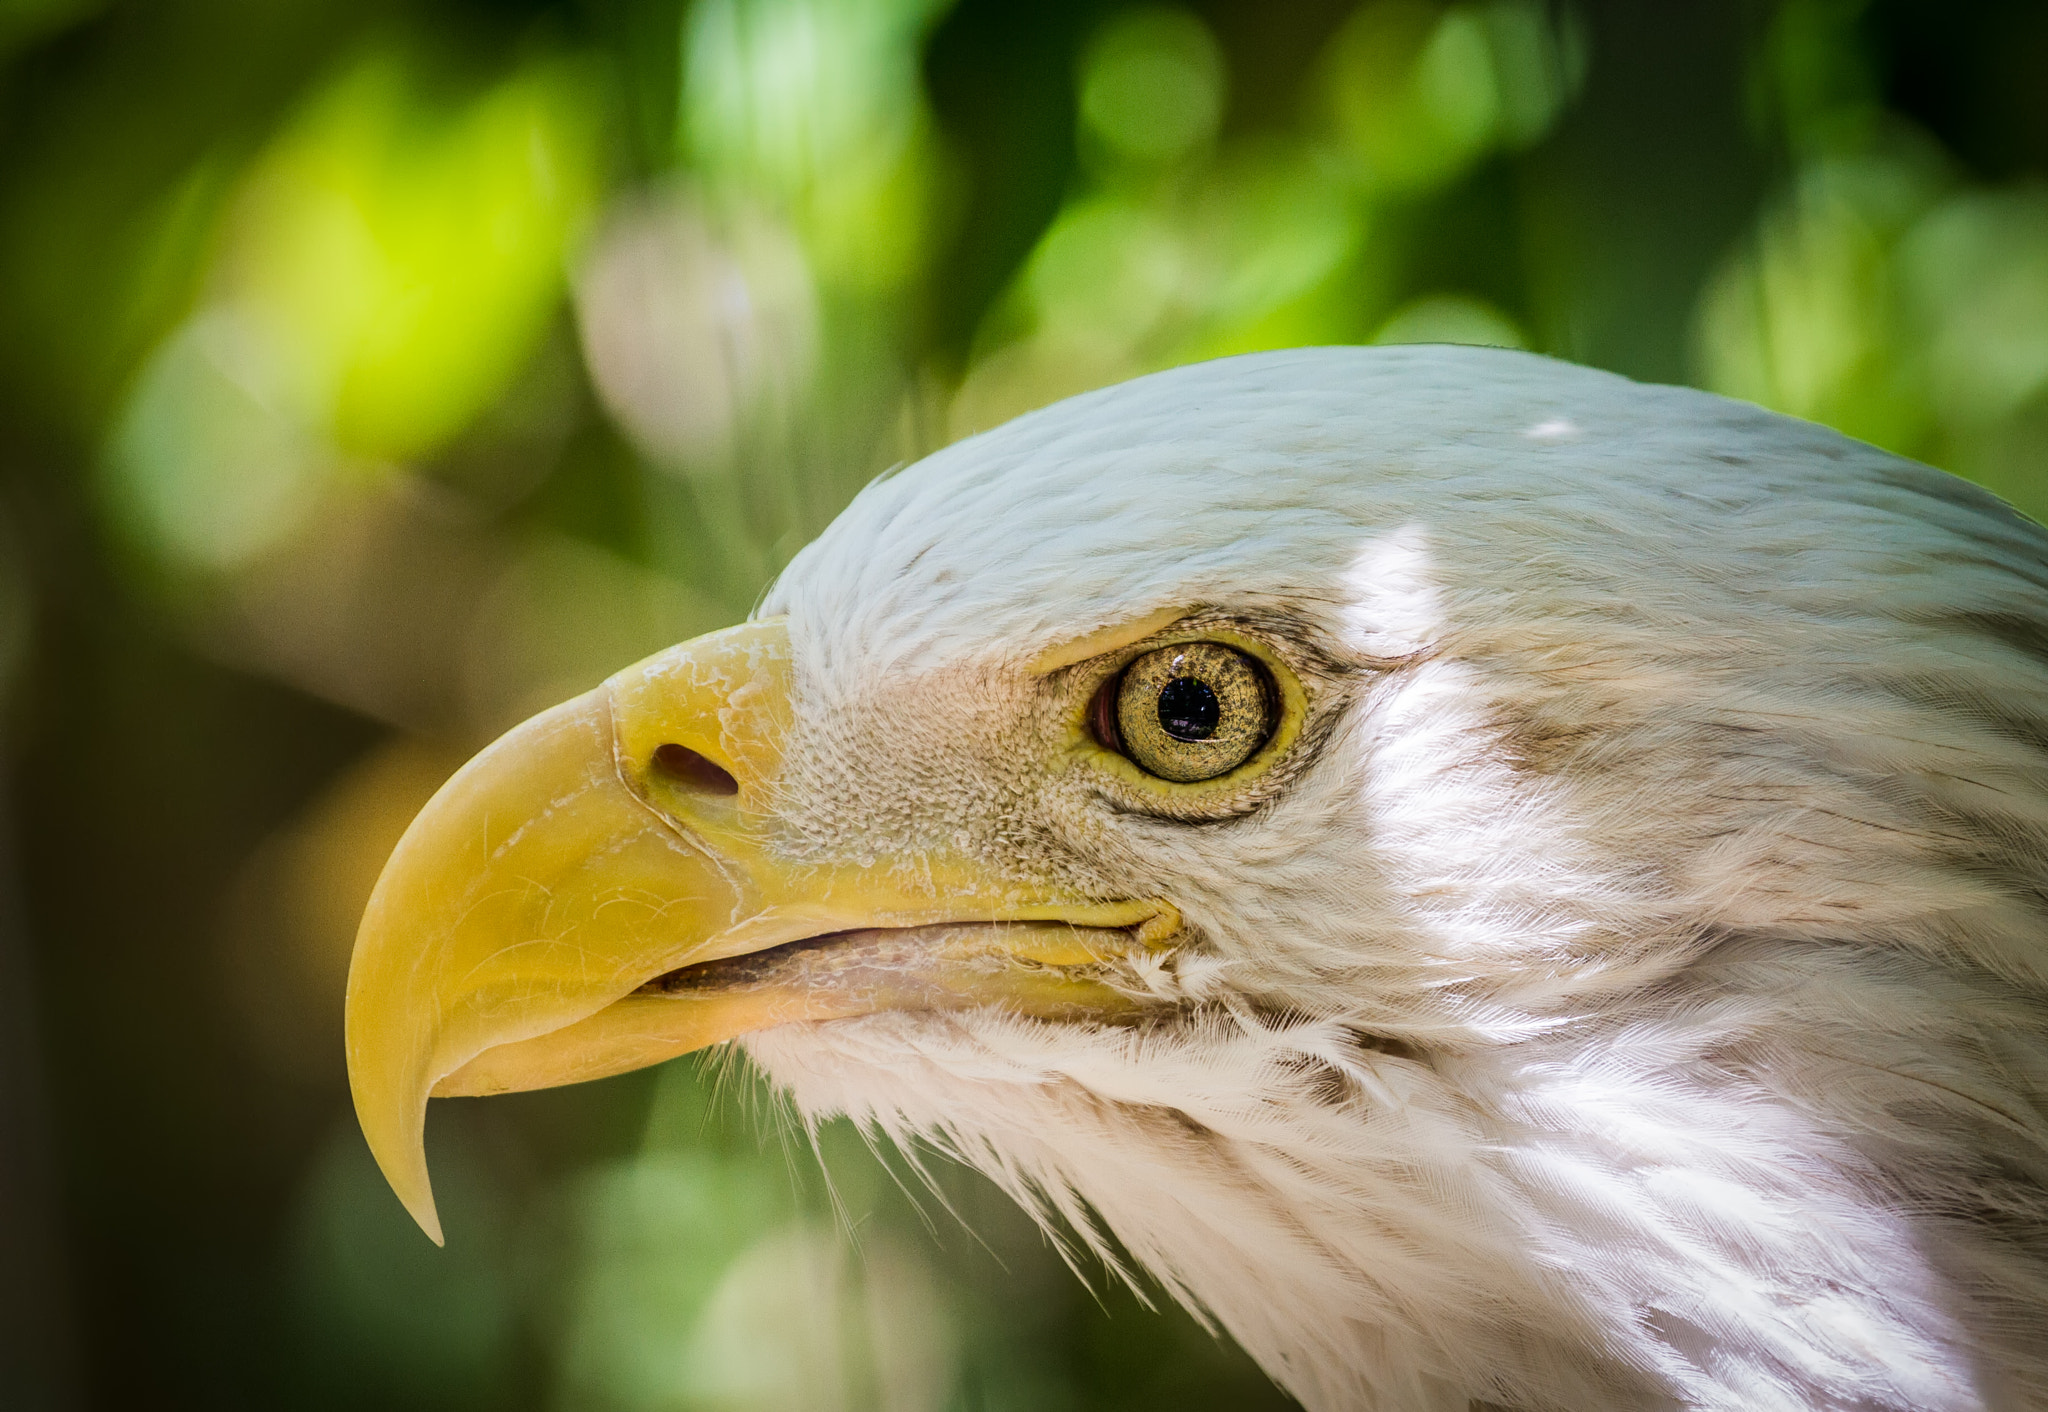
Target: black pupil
(1188,709)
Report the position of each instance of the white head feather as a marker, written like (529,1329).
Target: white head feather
(1630,993)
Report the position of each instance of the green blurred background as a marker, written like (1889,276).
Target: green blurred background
(374,372)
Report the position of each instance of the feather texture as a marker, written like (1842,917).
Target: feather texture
(1631,992)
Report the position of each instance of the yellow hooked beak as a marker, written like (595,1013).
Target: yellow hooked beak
(602,889)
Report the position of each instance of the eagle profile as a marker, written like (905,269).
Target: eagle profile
(1495,883)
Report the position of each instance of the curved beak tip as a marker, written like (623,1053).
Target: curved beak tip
(429,1221)
(416,1193)
(535,888)
(397,1142)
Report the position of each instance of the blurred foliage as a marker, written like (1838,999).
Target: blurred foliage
(1883,291)
(377,373)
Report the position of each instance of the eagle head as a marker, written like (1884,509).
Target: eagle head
(1491,882)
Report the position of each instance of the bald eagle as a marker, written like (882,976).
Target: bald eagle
(1496,884)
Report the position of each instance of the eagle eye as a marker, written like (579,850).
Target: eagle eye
(1188,712)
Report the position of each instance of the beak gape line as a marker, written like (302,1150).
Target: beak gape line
(600,890)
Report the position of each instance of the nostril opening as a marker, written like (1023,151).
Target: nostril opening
(693,771)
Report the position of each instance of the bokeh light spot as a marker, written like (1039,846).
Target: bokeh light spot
(1152,85)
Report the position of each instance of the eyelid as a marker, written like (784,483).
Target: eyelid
(1105,640)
